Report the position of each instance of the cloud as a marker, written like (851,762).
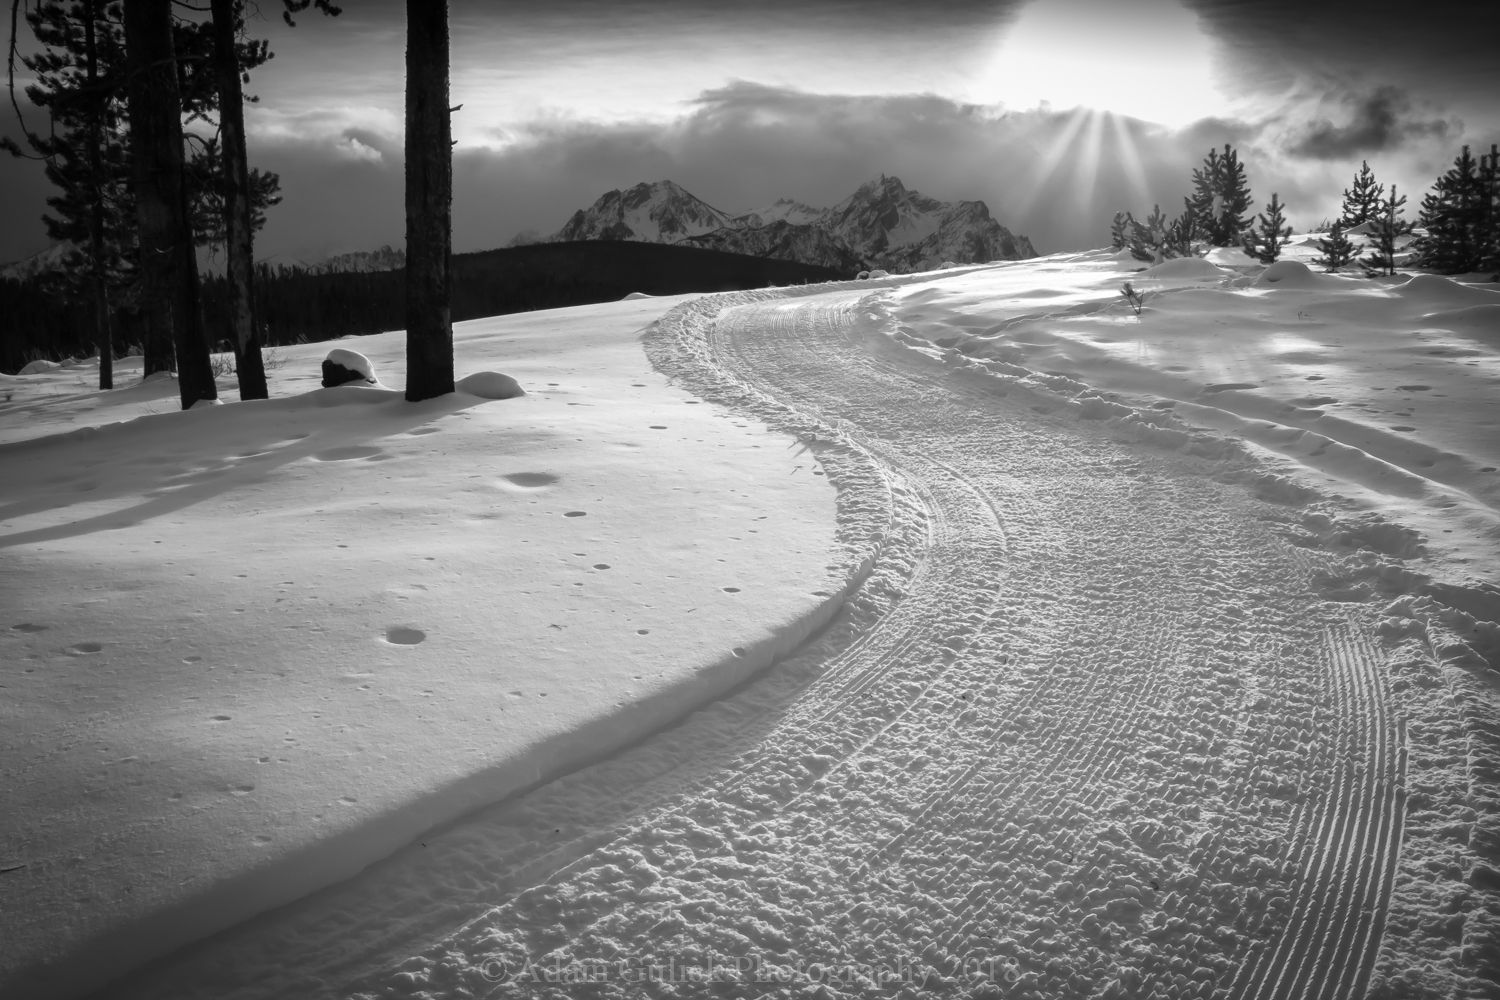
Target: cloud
(1055,176)
(1380,121)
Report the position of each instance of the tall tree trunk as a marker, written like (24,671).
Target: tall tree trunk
(238,230)
(429,202)
(169,266)
(98,289)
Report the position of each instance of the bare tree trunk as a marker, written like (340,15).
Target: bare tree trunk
(169,266)
(98,289)
(429,202)
(238,230)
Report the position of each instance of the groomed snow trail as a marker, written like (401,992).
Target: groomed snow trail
(1091,727)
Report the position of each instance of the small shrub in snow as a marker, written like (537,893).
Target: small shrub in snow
(1135,298)
(223,364)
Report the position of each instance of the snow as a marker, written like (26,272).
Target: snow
(491,385)
(252,649)
(1132,653)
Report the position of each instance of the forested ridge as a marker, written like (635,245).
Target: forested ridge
(296,303)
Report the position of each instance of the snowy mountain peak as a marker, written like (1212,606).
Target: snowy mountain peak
(658,212)
(781,210)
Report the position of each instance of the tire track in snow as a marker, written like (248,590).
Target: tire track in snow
(1049,748)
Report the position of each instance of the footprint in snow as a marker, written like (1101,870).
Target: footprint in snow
(528,480)
(400,635)
(349,453)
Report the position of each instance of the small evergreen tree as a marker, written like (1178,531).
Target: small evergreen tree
(1148,239)
(1181,233)
(1272,233)
(1456,214)
(1221,197)
(1386,230)
(1336,249)
(1362,202)
(1119,230)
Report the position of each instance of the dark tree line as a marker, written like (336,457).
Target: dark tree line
(300,304)
(117,163)
(86,72)
(1460,219)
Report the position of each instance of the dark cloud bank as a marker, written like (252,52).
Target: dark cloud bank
(1053,176)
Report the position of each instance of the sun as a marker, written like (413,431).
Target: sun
(1148,59)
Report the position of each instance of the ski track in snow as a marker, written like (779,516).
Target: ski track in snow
(1092,726)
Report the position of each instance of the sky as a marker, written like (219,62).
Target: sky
(1055,113)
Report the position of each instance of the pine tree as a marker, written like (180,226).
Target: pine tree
(1385,230)
(1335,249)
(1489,176)
(237,200)
(1264,243)
(1119,230)
(1148,239)
(429,202)
(1182,232)
(1362,202)
(1456,214)
(81,74)
(1221,197)
(77,84)
(169,268)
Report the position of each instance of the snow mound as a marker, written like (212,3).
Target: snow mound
(1294,274)
(1361,229)
(39,366)
(492,385)
(635,295)
(1435,289)
(1481,321)
(1187,267)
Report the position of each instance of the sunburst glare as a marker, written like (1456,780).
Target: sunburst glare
(1148,59)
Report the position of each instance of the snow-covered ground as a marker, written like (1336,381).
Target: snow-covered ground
(1158,658)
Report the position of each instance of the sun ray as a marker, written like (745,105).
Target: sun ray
(1045,168)
(1130,158)
(1086,162)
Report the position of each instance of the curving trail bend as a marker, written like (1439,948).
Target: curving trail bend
(1091,727)
(1097,734)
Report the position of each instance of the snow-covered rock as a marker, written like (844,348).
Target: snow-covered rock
(342,366)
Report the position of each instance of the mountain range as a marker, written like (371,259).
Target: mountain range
(882,225)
